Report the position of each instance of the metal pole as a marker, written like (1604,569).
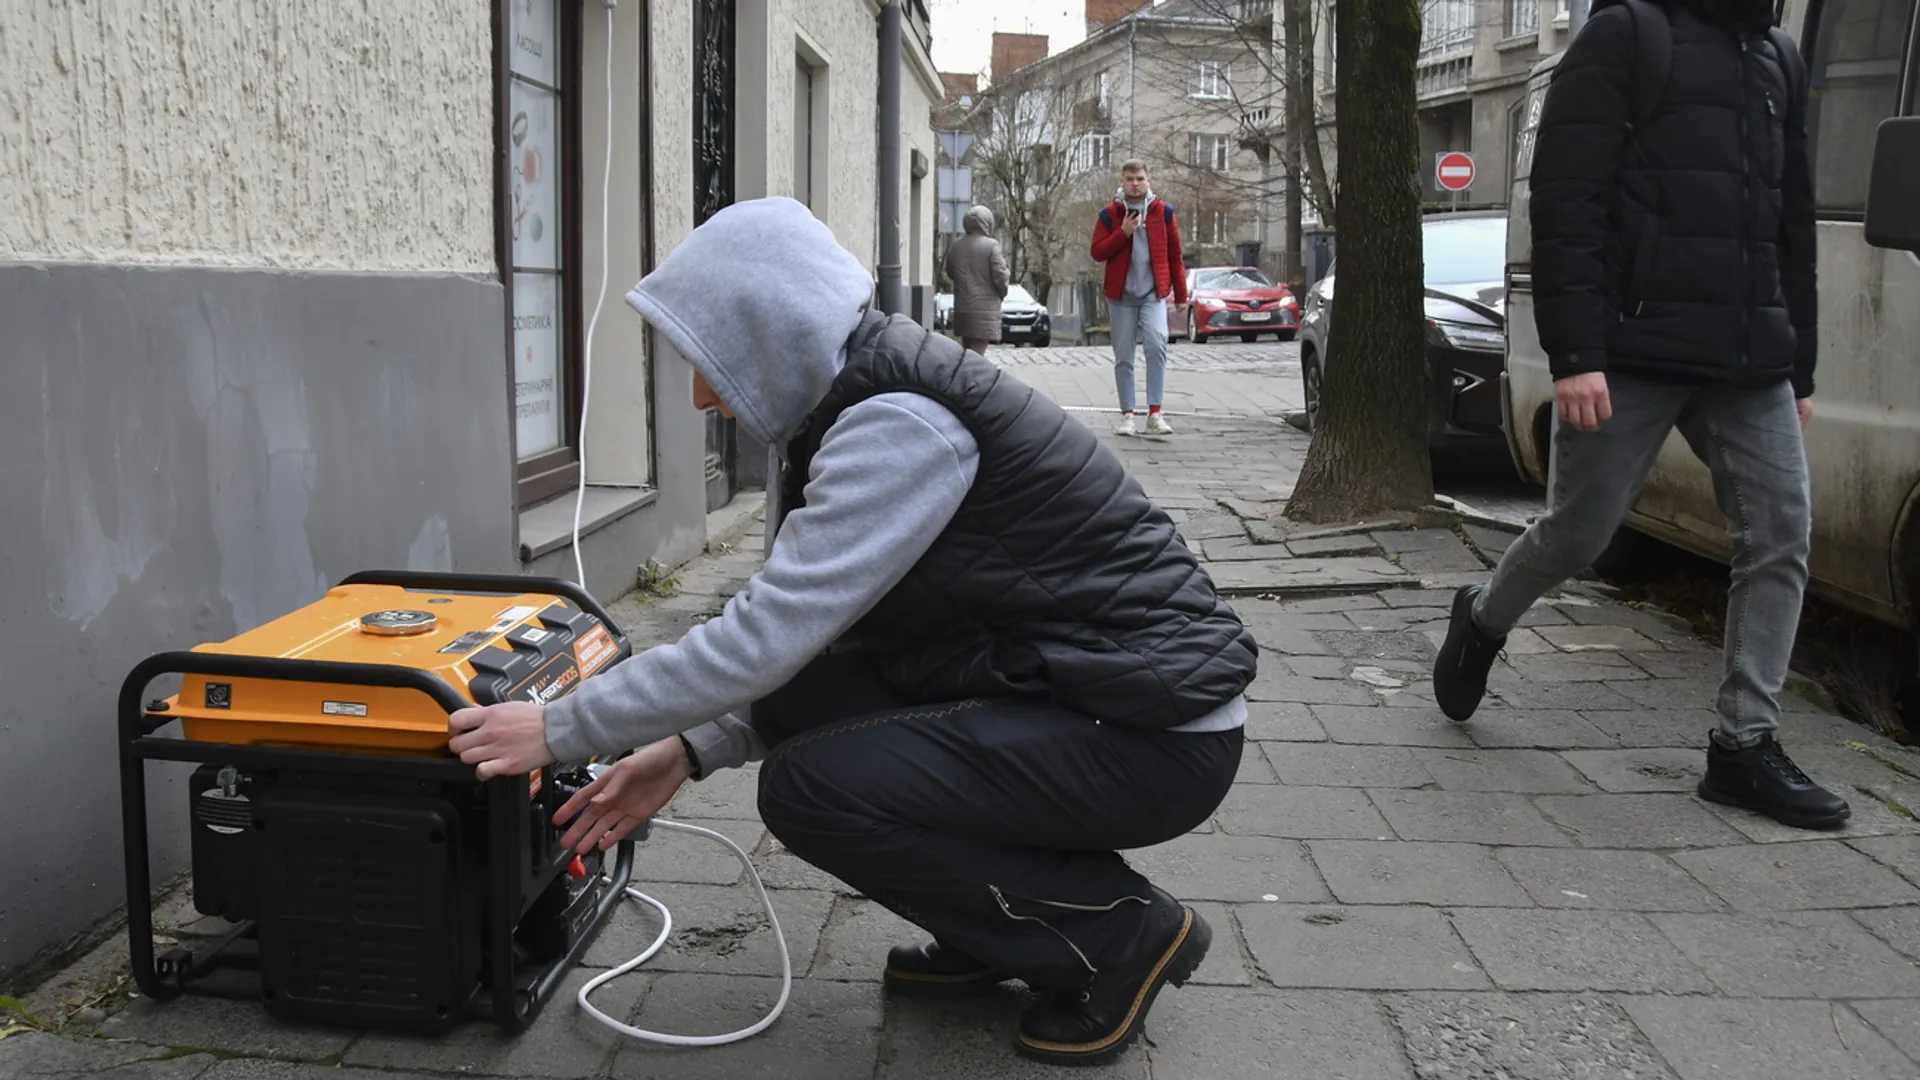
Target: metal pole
(889,293)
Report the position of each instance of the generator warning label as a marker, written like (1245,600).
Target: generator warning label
(343,708)
(594,649)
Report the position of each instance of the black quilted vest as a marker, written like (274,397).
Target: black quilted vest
(1057,580)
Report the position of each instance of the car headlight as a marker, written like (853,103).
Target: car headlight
(1470,337)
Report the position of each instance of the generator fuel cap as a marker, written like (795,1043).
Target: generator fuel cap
(398,623)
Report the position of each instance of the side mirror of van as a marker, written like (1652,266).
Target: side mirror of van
(1893,200)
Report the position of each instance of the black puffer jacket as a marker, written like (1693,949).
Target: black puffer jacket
(1683,250)
(1057,580)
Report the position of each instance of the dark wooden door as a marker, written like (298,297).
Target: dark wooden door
(713,129)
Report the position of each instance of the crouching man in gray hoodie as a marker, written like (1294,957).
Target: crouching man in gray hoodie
(977,663)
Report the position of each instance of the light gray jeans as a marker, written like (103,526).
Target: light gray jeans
(1144,323)
(1749,437)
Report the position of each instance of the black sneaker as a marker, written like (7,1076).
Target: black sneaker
(1460,671)
(931,970)
(1762,778)
(1095,1025)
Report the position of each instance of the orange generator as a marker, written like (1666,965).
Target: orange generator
(369,879)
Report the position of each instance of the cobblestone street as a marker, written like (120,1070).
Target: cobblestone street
(1534,895)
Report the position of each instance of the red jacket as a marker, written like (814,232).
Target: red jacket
(1115,248)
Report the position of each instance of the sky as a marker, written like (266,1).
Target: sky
(963,29)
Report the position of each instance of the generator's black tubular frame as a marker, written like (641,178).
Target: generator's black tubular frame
(507,584)
(513,1007)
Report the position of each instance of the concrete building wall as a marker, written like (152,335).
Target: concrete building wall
(253,344)
(248,133)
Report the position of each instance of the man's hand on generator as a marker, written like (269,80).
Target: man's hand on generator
(501,740)
(624,796)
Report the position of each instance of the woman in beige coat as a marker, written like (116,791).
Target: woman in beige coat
(979,275)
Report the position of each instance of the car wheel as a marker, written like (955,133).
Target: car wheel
(1310,381)
(1041,343)
(1285,335)
(1193,330)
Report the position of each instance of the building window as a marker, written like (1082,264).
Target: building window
(1103,91)
(1210,79)
(812,88)
(1092,151)
(1213,227)
(1523,17)
(1210,152)
(1856,57)
(1446,28)
(541,254)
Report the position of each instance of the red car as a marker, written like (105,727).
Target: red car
(1233,300)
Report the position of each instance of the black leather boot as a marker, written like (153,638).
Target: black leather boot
(1762,778)
(1096,1024)
(931,970)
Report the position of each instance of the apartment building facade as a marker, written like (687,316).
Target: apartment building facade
(1172,84)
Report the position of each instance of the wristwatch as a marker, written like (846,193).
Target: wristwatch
(693,762)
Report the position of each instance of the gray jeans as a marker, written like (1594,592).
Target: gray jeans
(1749,437)
(1145,323)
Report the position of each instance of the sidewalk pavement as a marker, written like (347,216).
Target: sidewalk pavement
(1535,895)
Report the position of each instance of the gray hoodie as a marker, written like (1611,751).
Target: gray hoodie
(1140,287)
(760,300)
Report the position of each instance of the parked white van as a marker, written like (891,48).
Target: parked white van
(1863,444)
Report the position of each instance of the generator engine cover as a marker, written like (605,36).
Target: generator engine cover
(490,648)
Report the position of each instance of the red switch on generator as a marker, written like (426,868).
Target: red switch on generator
(576,869)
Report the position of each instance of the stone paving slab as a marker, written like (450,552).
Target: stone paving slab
(1537,894)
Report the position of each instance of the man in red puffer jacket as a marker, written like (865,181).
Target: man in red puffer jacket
(1139,240)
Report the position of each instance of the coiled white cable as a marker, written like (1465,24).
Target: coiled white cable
(666,928)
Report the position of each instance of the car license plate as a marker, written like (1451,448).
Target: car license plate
(1255,316)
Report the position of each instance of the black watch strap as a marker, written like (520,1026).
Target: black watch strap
(693,760)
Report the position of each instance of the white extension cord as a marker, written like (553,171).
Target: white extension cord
(579,566)
(666,928)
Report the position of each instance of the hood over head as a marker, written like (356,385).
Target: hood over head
(760,300)
(979,221)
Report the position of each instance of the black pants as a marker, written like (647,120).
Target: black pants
(993,825)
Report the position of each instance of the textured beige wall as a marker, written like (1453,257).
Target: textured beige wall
(296,133)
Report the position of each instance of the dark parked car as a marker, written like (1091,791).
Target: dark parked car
(1465,256)
(1023,320)
(1237,300)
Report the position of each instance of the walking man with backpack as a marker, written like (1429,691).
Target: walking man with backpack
(1673,258)
(1138,238)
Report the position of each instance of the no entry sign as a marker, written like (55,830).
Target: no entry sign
(1454,171)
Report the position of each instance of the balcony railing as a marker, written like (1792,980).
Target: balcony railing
(1445,76)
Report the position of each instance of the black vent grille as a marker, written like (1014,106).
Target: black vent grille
(220,812)
(359,916)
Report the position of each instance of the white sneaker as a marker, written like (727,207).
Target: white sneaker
(1157,425)
(1125,426)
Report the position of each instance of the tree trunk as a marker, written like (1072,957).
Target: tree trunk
(1302,118)
(1369,451)
(1296,268)
(1299,61)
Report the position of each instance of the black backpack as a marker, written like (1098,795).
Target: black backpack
(1653,36)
